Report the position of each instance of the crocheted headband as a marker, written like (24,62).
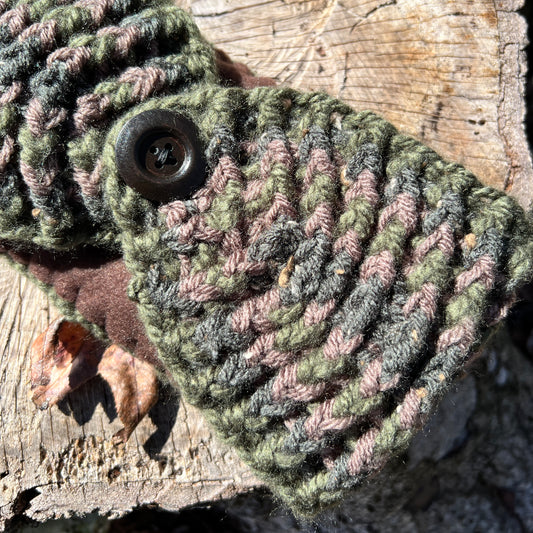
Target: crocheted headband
(311,278)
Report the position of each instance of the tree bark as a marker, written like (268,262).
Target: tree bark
(451,73)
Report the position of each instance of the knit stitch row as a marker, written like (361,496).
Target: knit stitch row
(327,283)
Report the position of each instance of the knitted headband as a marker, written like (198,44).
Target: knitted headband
(312,279)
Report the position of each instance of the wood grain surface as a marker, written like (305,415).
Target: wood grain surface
(450,73)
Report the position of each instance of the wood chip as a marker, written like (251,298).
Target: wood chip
(285,274)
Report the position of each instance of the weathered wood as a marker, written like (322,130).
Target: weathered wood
(449,72)
(64,458)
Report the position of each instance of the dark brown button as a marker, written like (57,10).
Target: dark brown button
(159,155)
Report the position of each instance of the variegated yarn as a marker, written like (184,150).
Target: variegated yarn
(317,296)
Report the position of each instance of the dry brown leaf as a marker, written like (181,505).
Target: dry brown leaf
(66,356)
(63,358)
(134,386)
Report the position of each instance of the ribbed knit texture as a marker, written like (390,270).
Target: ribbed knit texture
(317,296)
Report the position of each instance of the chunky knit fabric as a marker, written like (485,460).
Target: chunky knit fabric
(316,296)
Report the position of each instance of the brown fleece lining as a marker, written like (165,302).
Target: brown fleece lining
(98,289)
(239,74)
(97,285)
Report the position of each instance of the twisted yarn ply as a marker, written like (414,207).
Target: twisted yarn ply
(321,290)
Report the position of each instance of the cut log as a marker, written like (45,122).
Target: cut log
(450,73)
